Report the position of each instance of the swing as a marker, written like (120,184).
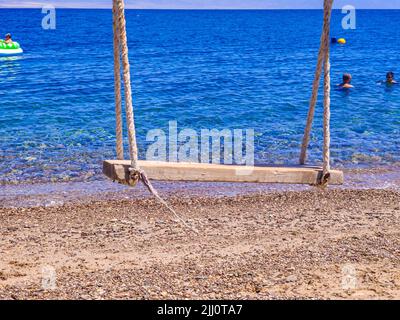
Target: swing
(130,172)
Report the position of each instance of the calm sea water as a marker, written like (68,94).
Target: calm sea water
(205,69)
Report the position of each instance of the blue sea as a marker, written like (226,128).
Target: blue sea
(203,69)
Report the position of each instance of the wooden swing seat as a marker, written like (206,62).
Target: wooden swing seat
(118,170)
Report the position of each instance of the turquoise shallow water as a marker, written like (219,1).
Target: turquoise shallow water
(204,69)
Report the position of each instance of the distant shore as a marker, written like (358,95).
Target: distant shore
(290,244)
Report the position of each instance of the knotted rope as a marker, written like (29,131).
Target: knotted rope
(121,53)
(323,62)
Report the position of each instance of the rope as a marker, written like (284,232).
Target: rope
(121,46)
(327,99)
(317,78)
(121,28)
(323,61)
(313,101)
(117,87)
(147,183)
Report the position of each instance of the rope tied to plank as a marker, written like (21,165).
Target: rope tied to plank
(323,63)
(136,174)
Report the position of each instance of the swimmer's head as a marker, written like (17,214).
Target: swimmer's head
(347,78)
(390,76)
(8,36)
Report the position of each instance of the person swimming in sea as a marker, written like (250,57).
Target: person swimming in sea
(7,38)
(346,84)
(390,78)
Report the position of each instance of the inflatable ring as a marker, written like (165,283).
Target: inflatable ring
(10,48)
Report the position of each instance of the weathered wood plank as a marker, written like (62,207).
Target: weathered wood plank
(118,170)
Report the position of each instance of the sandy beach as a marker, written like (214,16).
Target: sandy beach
(311,244)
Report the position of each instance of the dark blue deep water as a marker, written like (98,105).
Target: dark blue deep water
(204,69)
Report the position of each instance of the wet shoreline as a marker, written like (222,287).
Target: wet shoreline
(59,194)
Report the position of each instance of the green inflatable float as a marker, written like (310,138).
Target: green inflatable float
(7,49)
